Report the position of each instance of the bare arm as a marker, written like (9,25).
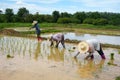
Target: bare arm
(76,55)
(31,27)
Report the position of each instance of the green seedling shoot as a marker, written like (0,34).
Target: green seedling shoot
(112,56)
(9,56)
(118,52)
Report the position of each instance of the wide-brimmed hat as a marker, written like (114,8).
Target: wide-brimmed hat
(34,22)
(83,47)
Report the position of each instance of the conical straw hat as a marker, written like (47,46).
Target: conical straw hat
(34,22)
(83,47)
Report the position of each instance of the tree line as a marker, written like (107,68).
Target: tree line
(96,18)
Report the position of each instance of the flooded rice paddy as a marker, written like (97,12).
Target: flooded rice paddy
(33,60)
(105,39)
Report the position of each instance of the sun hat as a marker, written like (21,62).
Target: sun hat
(34,22)
(83,47)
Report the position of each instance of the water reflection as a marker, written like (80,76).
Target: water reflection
(111,62)
(90,68)
(102,38)
(32,49)
(17,45)
(37,51)
(56,54)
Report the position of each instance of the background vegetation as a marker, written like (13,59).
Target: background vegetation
(62,25)
(95,18)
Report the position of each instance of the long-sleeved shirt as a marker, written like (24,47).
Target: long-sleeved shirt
(93,45)
(36,26)
(58,37)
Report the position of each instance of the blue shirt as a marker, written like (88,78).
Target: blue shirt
(36,26)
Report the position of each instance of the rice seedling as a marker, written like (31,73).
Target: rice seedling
(117,78)
(9,56)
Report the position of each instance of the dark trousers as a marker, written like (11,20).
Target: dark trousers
(101,53)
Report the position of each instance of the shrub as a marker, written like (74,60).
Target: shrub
(73,20)
(88,21)
(100,21)
(64,20)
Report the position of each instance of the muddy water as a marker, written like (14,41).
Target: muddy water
(34,60)
(102,38)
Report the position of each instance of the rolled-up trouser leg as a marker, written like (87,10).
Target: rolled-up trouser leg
(38,35)
(101,53)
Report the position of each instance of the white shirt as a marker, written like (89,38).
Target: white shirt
(93,44)
(57,37)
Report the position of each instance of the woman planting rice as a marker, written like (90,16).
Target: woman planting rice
(36,26)
(58,38)
(90,46)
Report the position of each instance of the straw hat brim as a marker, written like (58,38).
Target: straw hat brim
(34,22)
(83,47)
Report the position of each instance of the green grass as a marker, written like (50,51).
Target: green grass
(85,26)
(8,25)
(43,31)
(78,28)
(71,25)
(111,27)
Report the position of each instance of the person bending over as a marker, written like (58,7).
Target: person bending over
(90,46)
(58,38)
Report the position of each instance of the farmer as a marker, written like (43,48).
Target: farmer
(58,38)
(90,46)
(36,26)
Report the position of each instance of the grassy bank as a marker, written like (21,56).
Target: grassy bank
(45,25)
(14,25)
(43,31)
(79,28)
